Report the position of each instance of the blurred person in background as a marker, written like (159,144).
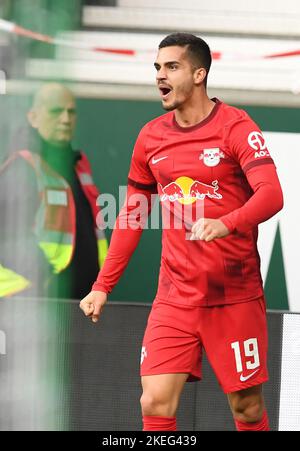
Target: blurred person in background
(50,244)
(210,294)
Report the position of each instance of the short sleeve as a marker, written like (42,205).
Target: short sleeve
(247,144)
(140,175)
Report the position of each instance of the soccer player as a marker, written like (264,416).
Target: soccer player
(210,165)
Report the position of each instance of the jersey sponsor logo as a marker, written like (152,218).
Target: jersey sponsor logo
(187,191)
(157,160)
(261,153)
(211,157)
(143,354)
(245,378)
(257,141)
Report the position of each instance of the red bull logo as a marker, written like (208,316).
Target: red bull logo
(172,192)
(187,191)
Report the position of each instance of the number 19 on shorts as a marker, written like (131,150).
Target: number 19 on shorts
(248,348)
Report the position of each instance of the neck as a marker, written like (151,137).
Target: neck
(55,148)
(61,159)
(195,111)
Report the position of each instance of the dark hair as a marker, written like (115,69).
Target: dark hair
(197,49)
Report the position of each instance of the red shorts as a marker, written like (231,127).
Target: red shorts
(233,336)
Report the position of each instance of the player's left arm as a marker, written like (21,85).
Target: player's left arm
(266,201)
(249,149)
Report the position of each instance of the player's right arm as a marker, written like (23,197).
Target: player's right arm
(127,230)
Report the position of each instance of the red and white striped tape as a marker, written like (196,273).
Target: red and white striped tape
(11,27)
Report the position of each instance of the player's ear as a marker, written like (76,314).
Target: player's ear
(32,118)
(199,75)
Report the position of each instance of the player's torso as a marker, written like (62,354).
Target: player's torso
(196,164)
(198,176)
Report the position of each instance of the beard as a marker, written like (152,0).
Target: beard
(182,94)
(171,106)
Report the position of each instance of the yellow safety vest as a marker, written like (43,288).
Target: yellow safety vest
(55,221)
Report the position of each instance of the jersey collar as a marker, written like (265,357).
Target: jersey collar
(211,115)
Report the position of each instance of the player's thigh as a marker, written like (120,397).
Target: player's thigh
(235,340)
(164,387)
(170,344)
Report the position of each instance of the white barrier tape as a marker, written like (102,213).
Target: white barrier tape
(16,29)
(20,31)
(6,26)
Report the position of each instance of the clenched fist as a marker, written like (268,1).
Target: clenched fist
(93,304)
(208,229)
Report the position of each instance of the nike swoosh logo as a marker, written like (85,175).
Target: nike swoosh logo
(154,161)
(245,378)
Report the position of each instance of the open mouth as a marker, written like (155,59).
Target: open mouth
(164,92)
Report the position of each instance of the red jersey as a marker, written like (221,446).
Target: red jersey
(204,164)
(221,169)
